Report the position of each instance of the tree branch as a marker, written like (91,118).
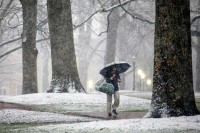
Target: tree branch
(79,25)
(102,9)
(17,48)
(14,40)
(134,16)
(115,6)
(40,25)
(1,3)
(195,18)
(13,50)
(107,24)
(5,11)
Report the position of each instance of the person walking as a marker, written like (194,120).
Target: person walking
(111,74)
(113,78)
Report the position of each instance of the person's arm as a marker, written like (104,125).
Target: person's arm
(118,78)
(107,79)
(113,76)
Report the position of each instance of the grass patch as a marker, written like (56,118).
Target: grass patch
(7,128)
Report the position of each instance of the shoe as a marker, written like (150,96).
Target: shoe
(109,114)
(115,112)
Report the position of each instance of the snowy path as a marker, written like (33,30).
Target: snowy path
(23,120)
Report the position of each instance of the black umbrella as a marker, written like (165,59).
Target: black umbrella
(120,68)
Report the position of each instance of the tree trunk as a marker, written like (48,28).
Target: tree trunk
(84,43)
(123,81)
(198,55)
(64,68)
(114,20)
(173,93)
(45,75)
(29,50)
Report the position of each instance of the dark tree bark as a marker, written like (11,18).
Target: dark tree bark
(198,54)
(173,93)
(29,50)
(64,68)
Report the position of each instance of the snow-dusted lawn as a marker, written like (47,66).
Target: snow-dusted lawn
(76,102)
(25,121)
(145,95)
(10,116)
(139,94)
(164,125)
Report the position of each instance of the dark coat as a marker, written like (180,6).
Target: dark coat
(114,81)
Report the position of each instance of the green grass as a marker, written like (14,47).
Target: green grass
(6,128)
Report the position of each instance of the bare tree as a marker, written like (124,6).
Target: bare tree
(197,48)
(29,50)
(173,93)
(64,68)
(113,22)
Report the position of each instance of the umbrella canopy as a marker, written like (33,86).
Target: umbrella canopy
(120,67)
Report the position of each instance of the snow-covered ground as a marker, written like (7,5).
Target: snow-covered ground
(10,116)
(164,125)
(145,95)
(61,123)
(139,94)
(75,102)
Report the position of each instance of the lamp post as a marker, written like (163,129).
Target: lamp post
(139,72)
(133,58)
(143,77)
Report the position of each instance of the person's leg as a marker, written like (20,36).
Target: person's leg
(109,103)
(116,102)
